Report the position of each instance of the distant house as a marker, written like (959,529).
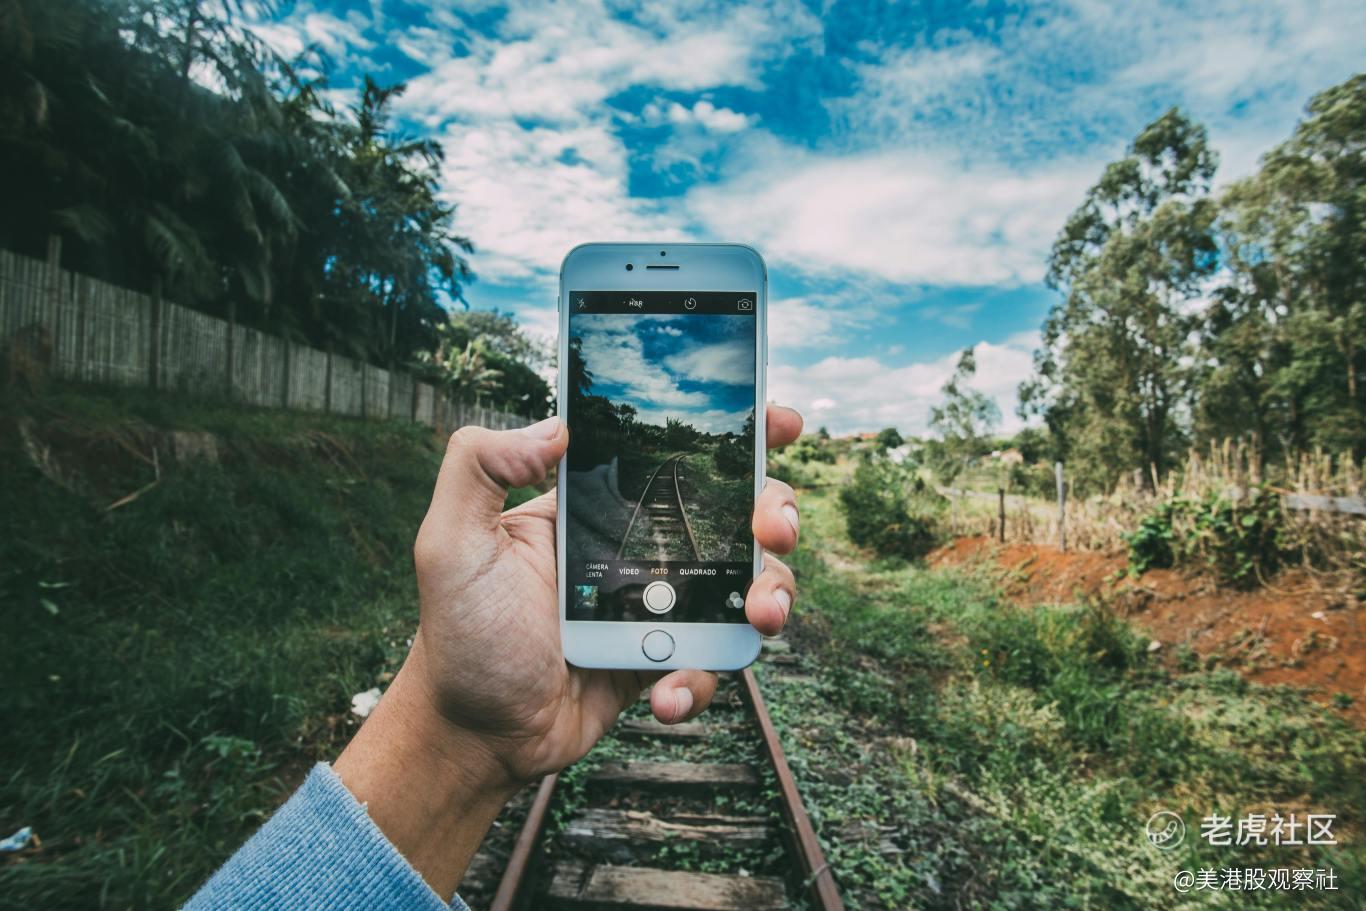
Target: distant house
(899,454)
(1007,457)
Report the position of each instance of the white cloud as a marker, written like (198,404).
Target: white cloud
(1073,72)
(528,194)
(912,217)
(532,155)
(848,394)
(806,322)
(614,355)
(305,27)
(729,362)
(703,114)
(710,421)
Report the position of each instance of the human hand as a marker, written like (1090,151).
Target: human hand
(485,697)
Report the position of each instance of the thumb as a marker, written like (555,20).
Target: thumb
(480,465)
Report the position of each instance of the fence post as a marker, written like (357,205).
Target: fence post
(364,389)
(1001,514)
(327,381)
(231,357)
(154,351)
(1062,507)
(83,289)
(54,290)
(284,383)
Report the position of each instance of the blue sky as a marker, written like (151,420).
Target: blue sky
(903,167)
(698,369)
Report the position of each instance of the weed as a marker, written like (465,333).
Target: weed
(961,752)
(204,639)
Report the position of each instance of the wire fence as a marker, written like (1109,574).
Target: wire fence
(73,326)
(1323,497)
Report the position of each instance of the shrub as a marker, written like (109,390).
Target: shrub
(735,458)
(796,472)
(1238,543)
(1151,544)
(886,510)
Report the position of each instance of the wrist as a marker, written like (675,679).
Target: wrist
(432,787)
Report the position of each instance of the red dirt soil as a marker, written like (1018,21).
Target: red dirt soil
(1291,632)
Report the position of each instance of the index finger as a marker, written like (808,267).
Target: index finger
(784,425)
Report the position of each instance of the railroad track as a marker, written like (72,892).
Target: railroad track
(632,819)
(669,798)
(659,528)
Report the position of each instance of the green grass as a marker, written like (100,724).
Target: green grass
(174,666)
(958,751)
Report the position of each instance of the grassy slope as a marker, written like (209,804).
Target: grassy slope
(959,752)
(174,666)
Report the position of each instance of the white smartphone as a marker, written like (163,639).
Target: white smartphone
(662,356)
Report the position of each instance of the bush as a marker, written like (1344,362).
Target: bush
(735,458)
(1151,544)
(793,471)
(1239,543)
(888,510)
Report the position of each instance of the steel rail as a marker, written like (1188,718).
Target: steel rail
(818,876)
(635,513)
(519,861)
(682,511)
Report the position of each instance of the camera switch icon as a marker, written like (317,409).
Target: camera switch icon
(744,304)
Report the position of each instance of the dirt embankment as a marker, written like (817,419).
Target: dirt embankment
(1290,632)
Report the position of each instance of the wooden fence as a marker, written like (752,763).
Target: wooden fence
(85,329)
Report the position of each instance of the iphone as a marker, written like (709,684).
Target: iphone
(662,354)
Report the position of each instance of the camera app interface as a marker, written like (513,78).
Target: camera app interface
(660,485)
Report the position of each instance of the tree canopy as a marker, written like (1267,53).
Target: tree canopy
(1111,375)
(169,146)
(1189,316)
(963,422)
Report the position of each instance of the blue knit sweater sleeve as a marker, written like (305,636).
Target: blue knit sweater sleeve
(320,850)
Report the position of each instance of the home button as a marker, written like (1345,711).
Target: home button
(657,645)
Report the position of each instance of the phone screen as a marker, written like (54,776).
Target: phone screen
(660,483)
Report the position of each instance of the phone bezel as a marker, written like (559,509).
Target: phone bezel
(702,267)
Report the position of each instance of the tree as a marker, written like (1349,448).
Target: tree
(462,370)
(1283,339)
(1114,372)
(963,422)
(889,438)
(168,146)
(507,349)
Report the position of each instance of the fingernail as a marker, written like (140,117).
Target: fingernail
(790,513)
(682,703)
(784,600)
(544,430)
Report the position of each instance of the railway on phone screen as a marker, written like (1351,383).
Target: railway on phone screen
(640,824)
(659,528)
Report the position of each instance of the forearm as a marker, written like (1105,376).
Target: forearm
(432,789)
